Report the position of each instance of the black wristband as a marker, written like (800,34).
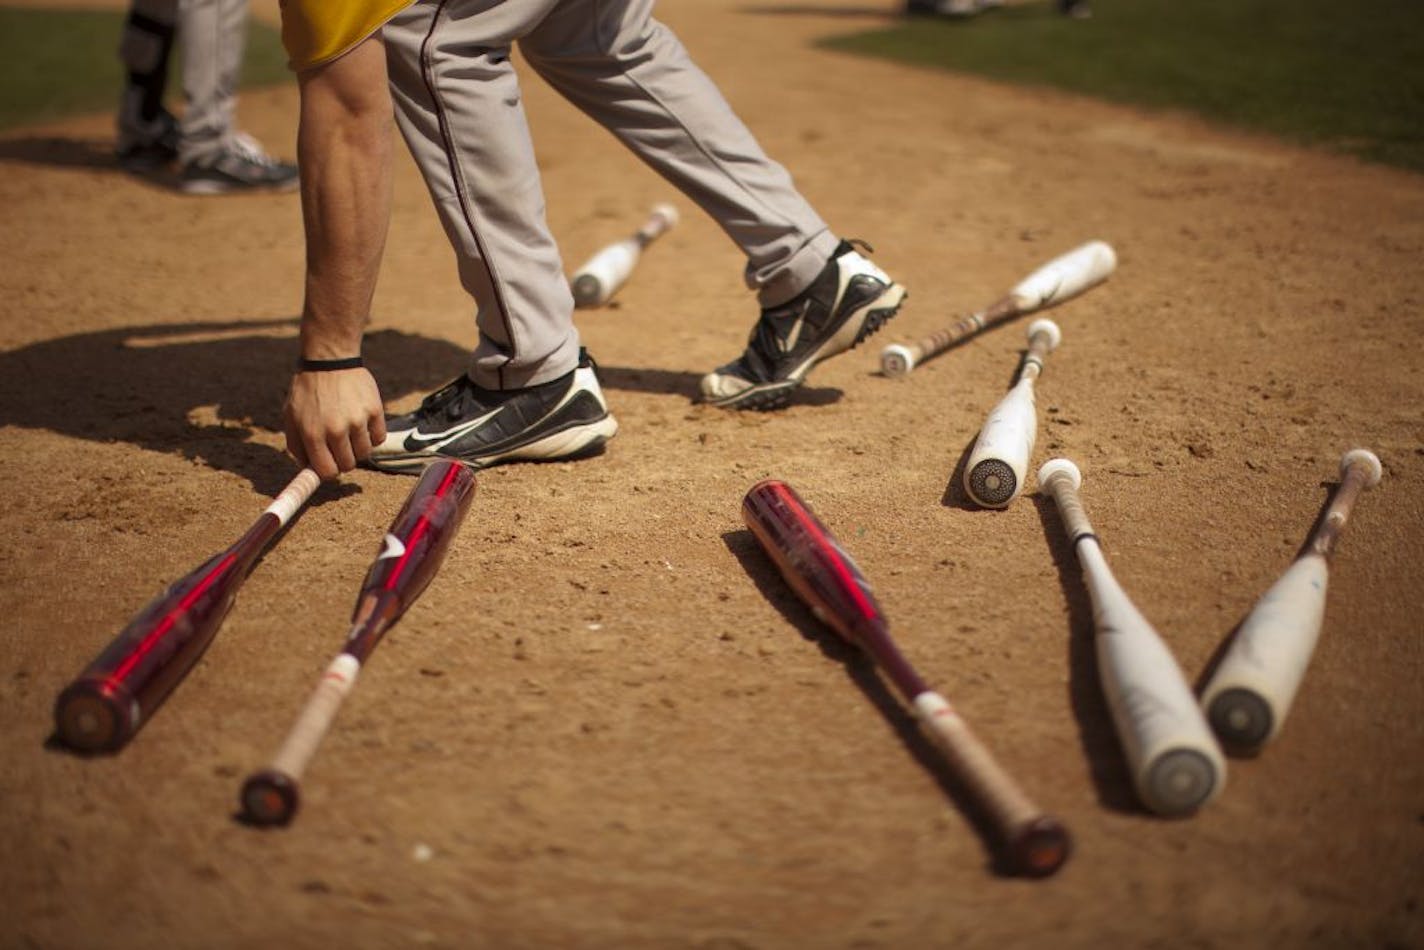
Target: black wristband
(305,365)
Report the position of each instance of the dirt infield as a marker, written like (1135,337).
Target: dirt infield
(608,723)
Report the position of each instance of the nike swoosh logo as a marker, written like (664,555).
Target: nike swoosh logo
(415,442)
(393,548)
(795,333)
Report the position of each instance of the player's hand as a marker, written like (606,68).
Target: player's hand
(332,419)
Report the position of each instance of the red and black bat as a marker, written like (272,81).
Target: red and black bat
(101,710)
(410,555)
(831,584)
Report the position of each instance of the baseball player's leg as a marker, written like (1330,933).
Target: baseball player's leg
(819,295)
(147,132)
(633,76)
(216,157)
(458,107)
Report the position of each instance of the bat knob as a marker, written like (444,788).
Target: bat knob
(1241,718)
(1040,848)
(896,360)
(1045,325)
(1060,468)
(667,212)
(587,290)
(269,798)
(1179,782)
(1374,470)
(90,717)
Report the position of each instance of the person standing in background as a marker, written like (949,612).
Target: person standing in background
(213,156)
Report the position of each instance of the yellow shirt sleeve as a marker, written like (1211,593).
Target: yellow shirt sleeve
(318,31)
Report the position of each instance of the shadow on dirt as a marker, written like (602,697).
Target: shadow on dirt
(203,390)
(686,384)
(861,671)
(199,390)
(56,152)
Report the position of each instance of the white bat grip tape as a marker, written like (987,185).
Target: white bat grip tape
(294,495)
(317,715)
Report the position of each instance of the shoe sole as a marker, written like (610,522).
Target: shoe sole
(564,445)
(224,188)
(861,325)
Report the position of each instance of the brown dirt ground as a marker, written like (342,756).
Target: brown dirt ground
(607,719)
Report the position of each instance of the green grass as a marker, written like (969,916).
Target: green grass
(59,63)
(1344,74)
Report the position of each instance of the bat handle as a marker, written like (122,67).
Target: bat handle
(270,797)
(1036,843)
(291,498)
(1062,479)
(897,359)
(1359,469)
(662,218)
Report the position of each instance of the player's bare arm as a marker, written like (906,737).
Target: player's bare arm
(332,416)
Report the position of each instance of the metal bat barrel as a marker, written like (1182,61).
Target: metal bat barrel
(412,551)
(1255,683)
(596,281)
(102,709)
(824,576)
(995,473)
(1175,762)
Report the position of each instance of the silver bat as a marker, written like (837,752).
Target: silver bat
(600,277)
(1062,278)
(1251,691)
(998,463)
(1175,761)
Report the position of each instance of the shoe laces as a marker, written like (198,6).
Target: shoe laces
(453,400)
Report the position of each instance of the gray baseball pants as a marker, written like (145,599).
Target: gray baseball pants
(458,106)
(213,34)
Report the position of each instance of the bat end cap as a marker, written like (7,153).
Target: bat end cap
(1179,782)
(896,360)
(587,290)
(992,483)
(1040,848)
(1241,719)
(89,718)
(269,798)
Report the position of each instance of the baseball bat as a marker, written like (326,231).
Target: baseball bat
(1251,691)
(823,575)
(410,555)
(600,277)
(102,708)
(1062,278)
(1175,762)
(998,463)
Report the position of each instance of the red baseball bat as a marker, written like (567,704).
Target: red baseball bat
(101,710)
(829,582)
(410,555)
